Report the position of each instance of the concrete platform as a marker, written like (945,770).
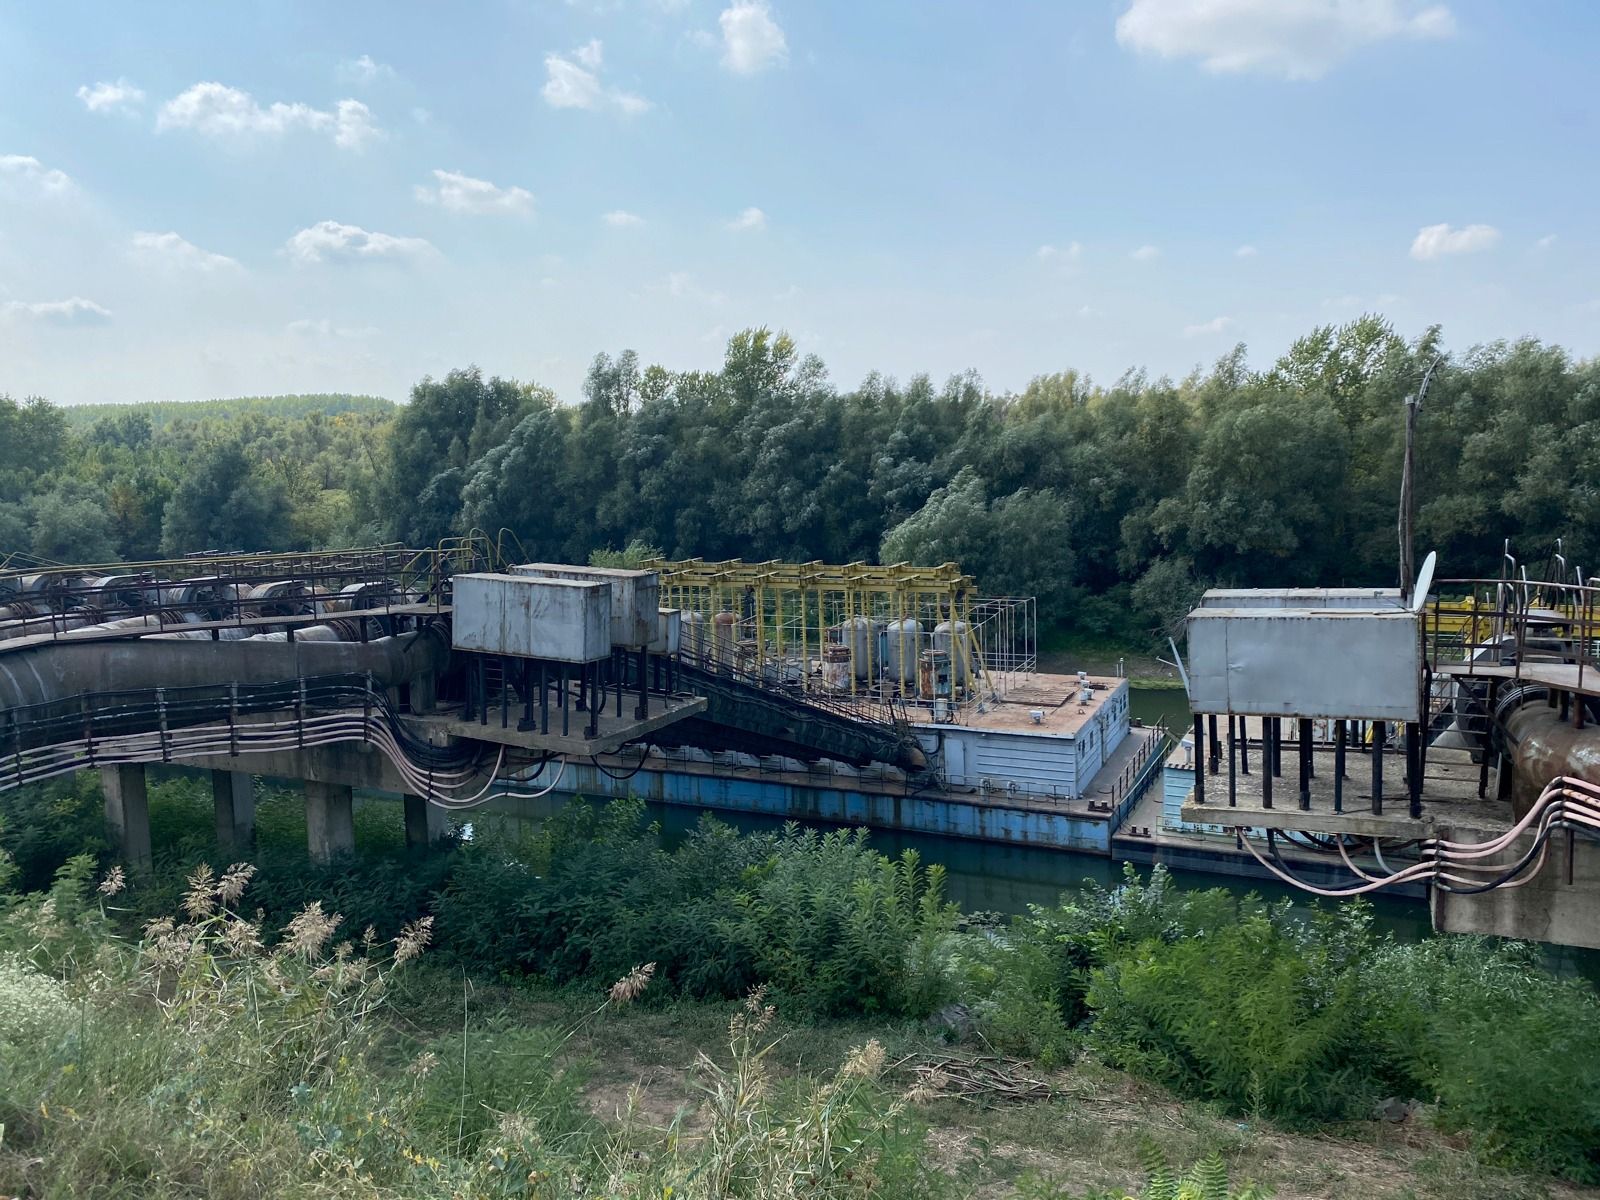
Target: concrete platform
(1449,797)
(441,729)
(1563,677)
(1220,854)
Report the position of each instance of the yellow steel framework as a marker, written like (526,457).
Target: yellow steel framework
(786,619)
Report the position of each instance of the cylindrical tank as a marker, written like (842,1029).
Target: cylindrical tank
(859,635)
(951,637)
(836,667)
(724,633)
(902,642)
(694,635)
(933,676)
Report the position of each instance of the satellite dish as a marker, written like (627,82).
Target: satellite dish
(1419,594)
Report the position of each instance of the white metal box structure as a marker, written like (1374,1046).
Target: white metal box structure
(669,632)
(635,597)
(562,620)
(1318,599)
(1342,662)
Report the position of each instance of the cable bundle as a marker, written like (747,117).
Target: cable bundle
(1565,804)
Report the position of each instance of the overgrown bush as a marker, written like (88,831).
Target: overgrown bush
(1506,1051)
(595,892)
(1028,984)
(43,825)
(841,928)
(1261,1014)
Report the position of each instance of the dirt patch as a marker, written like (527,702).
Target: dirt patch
(650,1094)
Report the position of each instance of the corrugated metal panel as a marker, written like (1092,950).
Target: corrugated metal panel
(1307,598)
(669,632)
(1297,663)
(556,619)
(1036,764)
(635,597)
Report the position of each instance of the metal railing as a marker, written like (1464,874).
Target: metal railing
(257,591)
(1515,622)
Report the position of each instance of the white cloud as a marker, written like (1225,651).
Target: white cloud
(1245,252)
(749,221)
(1434,241)
(171,251)
(1071,252)
(104,97)
(218,111)
(328,240)
(23,170)
(1214,326)
(325,328)
(620,219)
(751,39)
(1352,303)
(1145,253)
(1545,242)
(364,70)
(1293,39)
(76,311)
(575,83)
(460,193)
(681,285)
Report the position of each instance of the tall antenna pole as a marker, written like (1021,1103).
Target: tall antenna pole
(1408,496)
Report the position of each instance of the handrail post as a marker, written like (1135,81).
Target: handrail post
(161,709)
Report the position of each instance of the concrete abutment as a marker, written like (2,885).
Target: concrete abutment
(426,823)
(128,813)
(234,797)
(330,820)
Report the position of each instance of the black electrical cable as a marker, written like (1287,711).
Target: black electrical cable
(644,755)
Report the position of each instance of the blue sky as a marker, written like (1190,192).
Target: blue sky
(202,199)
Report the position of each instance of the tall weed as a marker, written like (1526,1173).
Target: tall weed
(839,928)
(1506,1051)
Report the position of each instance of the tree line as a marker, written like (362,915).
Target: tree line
(1113,504)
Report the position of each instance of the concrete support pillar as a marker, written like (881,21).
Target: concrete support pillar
(330,820)
(128,813)
(425,693)
(426,824)
(234,797)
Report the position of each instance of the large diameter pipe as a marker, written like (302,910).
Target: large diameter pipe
(1544,748)
(78,618)
(58,670)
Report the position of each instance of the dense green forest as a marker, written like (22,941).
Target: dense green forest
(163,413)
(1110,503)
